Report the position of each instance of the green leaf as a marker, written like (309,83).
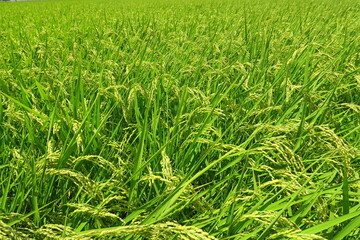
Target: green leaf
(326,225)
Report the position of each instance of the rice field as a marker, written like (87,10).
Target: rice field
(179,119)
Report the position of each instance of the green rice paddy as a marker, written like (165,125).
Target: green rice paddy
(179,119)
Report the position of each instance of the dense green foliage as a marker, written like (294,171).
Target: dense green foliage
(180,119)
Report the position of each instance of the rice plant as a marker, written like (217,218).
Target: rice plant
(181,119)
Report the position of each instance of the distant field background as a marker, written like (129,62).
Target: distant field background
(180,119)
